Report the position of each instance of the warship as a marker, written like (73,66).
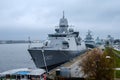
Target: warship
(60,47)
(98,41)
(89,41)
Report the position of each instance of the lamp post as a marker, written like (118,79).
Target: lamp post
(114,67)
(108,57)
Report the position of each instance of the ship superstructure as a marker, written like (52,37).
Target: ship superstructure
(60,47)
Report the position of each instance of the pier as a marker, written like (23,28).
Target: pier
(68,69)
(73,69)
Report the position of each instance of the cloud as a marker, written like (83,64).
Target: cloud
(38,15)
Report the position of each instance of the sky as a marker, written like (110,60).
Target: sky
(20,19)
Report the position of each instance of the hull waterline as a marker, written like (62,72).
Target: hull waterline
(52,57)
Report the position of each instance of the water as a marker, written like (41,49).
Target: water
(13,56)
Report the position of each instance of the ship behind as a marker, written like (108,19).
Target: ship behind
(89,41)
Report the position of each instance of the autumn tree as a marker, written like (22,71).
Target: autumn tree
(98,64)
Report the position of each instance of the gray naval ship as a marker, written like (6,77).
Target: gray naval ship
(89,41)
(62,46)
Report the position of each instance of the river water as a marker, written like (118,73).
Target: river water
(13,56)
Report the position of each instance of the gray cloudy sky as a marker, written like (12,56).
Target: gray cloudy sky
(36,18)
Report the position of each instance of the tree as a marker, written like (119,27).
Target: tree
(98,64)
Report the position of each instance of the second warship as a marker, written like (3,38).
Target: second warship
(89,41)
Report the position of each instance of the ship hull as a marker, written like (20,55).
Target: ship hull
(52,57)
(90,45)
